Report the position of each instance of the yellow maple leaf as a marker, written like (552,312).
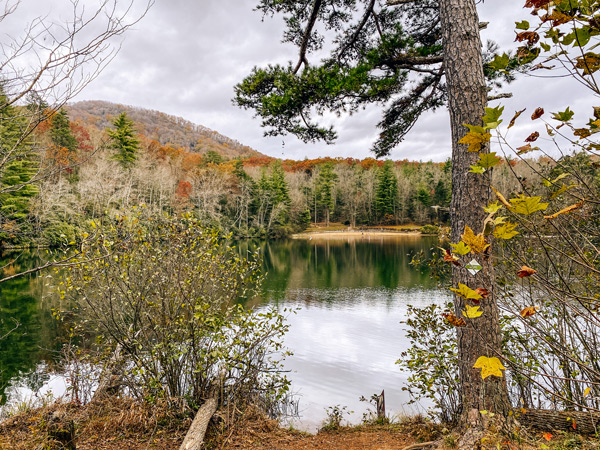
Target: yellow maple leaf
(527,205)
(461,248)
(476,242)
(489,366)
(472,312)
(475,140)
(466,292)
(506,231)
(492,207)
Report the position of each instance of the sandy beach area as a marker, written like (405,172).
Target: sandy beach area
(356,234)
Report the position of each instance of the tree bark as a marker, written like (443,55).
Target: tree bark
(467,97)
(195,435)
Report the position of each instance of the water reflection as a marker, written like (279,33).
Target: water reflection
(352,295)
(26,325)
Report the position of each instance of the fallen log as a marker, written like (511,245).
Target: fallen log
(584,422)
(195,435)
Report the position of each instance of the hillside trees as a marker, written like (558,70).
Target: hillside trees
(44,67)
(124,141)
(373,57)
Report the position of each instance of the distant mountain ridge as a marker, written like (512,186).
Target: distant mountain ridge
(164,128)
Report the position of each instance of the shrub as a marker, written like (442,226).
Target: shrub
(166,293)
(432,361)
(429,229)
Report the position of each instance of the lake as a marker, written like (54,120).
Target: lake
(351,294)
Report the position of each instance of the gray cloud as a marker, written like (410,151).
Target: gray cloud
(185,57)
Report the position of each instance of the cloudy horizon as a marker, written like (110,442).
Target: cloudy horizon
(184,59)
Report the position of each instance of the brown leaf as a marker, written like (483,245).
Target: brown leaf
(524,149)
(533,137)
(449,257)
(529,311)
(457,322)
(515,117)
(526,272)
(566,210)
(536,3)
(483,292)
(530,36)
(539,112)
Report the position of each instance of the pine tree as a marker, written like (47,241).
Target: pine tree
(64,149)
(386,195)
(124,141)
(324,190)
(60,131)
(19,167)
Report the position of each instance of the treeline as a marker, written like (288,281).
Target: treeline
(69,174)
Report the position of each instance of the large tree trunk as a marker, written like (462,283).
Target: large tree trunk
(467,98)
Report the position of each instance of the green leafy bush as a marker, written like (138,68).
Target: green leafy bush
(432,361)
(166,292)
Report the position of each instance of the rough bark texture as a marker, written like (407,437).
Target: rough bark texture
(195,435)
(470,193)
(110,379)
(586,422)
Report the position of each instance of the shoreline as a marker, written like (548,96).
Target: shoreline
(343,234)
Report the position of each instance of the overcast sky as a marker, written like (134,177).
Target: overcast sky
(185,57)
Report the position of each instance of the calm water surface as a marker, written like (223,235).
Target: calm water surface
(351,295)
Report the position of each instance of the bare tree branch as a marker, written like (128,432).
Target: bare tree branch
(306,38)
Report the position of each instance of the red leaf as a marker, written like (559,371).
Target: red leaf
(526,272)
(533,137)
(539,112)
(483,292)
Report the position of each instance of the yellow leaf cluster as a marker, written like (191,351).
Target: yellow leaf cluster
(489,366)
(466,292)
(475,140)
(476,242)
(461,248)
(472,312)
(506,231)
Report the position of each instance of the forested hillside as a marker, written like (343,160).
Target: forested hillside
(106,163)
(166,129)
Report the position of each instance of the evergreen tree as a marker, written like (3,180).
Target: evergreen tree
(324,190)
(124,141)
(18,168)
(60,131)
(64,149)
(386,195)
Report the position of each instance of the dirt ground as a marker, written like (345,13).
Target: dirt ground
(369,438)
(125,425)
